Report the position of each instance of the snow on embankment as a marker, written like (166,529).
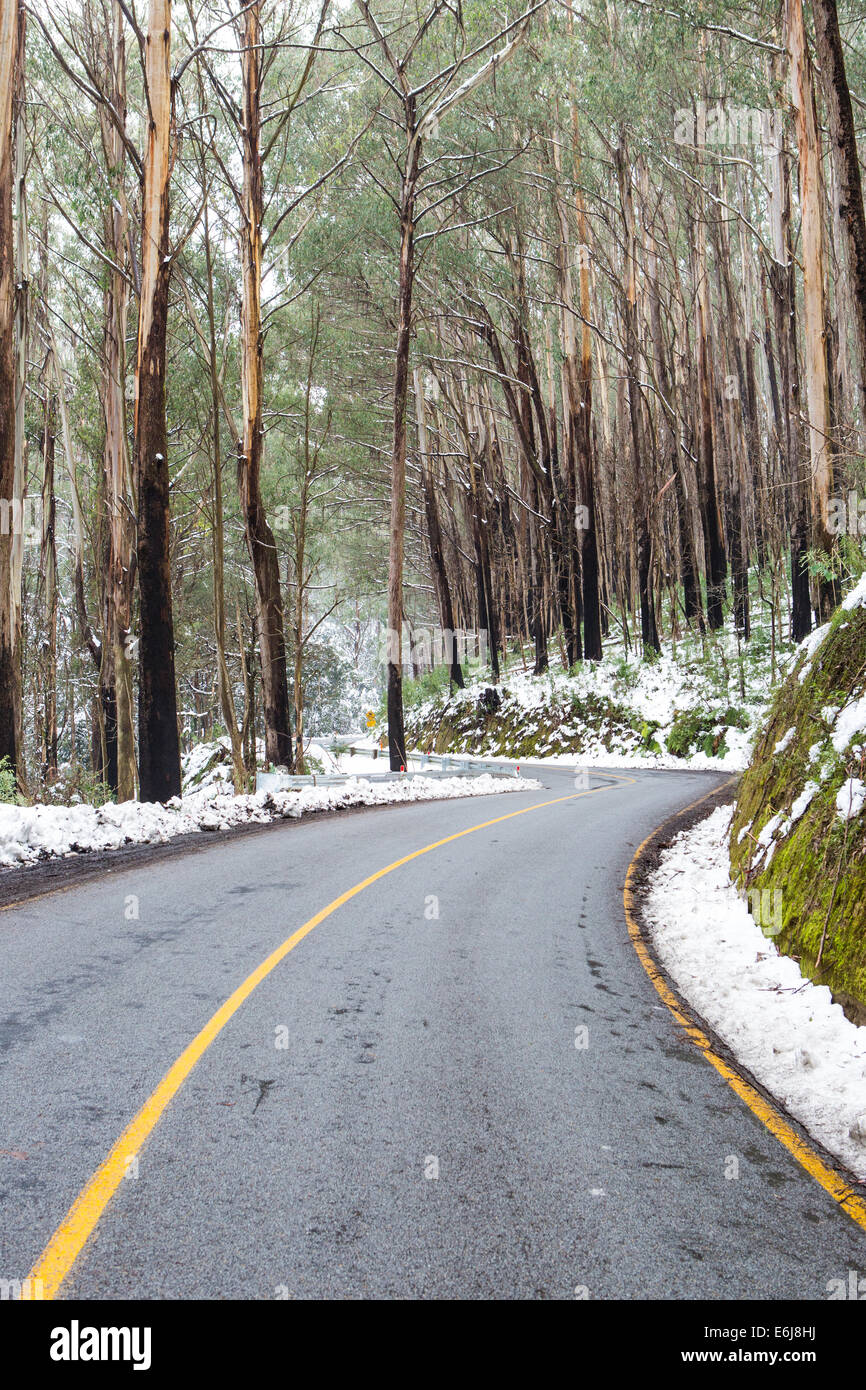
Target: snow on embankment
(784,1028)
(668,712)
(798,838)
(29,834)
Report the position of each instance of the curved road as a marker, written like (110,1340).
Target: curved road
(428,1026)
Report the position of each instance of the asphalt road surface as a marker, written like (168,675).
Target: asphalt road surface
(399,1109)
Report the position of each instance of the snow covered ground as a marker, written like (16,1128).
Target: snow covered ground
(358,757)
(624,712)
(29,834)
(208,764)
(786,1030)
(597,756)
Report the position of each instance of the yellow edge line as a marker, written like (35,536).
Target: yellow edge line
(805,1154)
(78,1225)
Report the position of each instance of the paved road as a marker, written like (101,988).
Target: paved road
(416,1043)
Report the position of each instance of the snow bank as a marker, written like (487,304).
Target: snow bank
(594,756)
(697,706)
(786,1030)
(32,833)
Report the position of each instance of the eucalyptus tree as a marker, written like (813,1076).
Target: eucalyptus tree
(260,127)
(10,20)
(411,42)
(812,204)
(158,738)
(845,156)
(89,47)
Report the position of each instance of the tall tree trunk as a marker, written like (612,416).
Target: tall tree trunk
(226,696)
(434,534)
(22,343)
(781,276)
(583,429)
(688,509)
(116,674)
(298,622)
(48,566)
(569,518)
(8,65)
(396,735)
(536,479)
(673,454)
(847,164)
(642,485)
(814,296)
(709,489)
(478,526)
(260,537)
(737,427)
(159,744)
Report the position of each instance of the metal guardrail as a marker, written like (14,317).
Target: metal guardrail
(426,765)
(451,763)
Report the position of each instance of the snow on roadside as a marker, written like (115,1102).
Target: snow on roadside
(360,755)
(596,756)
(786,1030)
(29,834)
(654,694)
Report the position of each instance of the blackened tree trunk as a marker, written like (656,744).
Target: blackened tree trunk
(159,745)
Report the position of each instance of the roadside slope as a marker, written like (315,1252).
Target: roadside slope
(798,839)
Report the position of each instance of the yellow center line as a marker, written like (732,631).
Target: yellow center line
(78,1225)
(841,1191)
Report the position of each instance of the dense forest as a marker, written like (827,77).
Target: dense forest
(328,327)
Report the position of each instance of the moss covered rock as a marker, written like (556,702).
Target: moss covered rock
(798,841)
